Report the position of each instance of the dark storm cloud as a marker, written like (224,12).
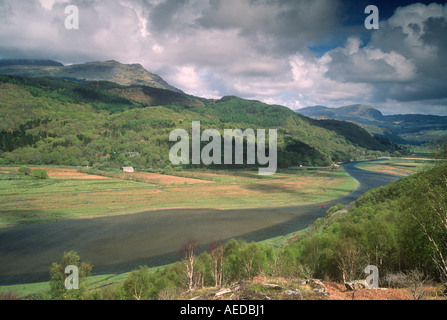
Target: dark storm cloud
(163,16)
(434,32)
(273,26)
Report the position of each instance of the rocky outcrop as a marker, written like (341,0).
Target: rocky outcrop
(355,285)
(317,285)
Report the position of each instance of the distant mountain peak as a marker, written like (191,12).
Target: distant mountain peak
(363,111)
(344,113)
(111,70)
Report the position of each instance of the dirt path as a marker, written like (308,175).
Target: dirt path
(122,243)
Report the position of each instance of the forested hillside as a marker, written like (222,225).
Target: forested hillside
(399,228)
(106,125)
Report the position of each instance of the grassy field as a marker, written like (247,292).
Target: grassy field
(397,166)
(70,194)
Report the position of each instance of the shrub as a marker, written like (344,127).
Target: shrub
(168,293)
(24,171)
(395,280)
(40,174)
(336,208)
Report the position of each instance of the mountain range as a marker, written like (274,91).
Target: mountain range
(106,115)
(414,129)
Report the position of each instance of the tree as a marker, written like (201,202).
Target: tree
(440,151)
(187,253)
(311,255)
(137,286)
(275,260)
(250,256)
(58,276)
(349,259)
(427,205)
(216,249)
(415,280)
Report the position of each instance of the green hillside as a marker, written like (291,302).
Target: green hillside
(398,228)
(106,125)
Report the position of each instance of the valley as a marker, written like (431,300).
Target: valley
(85,168)
(117,242)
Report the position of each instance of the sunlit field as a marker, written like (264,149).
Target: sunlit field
(397,166)
(69,194)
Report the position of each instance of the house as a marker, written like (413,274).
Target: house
(128,169)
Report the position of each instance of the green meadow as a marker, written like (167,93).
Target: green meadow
(70,194)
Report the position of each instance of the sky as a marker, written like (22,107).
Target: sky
(295,53)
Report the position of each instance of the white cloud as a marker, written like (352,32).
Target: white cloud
(255,49)
(367,65)
(194,81)
(310,80)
